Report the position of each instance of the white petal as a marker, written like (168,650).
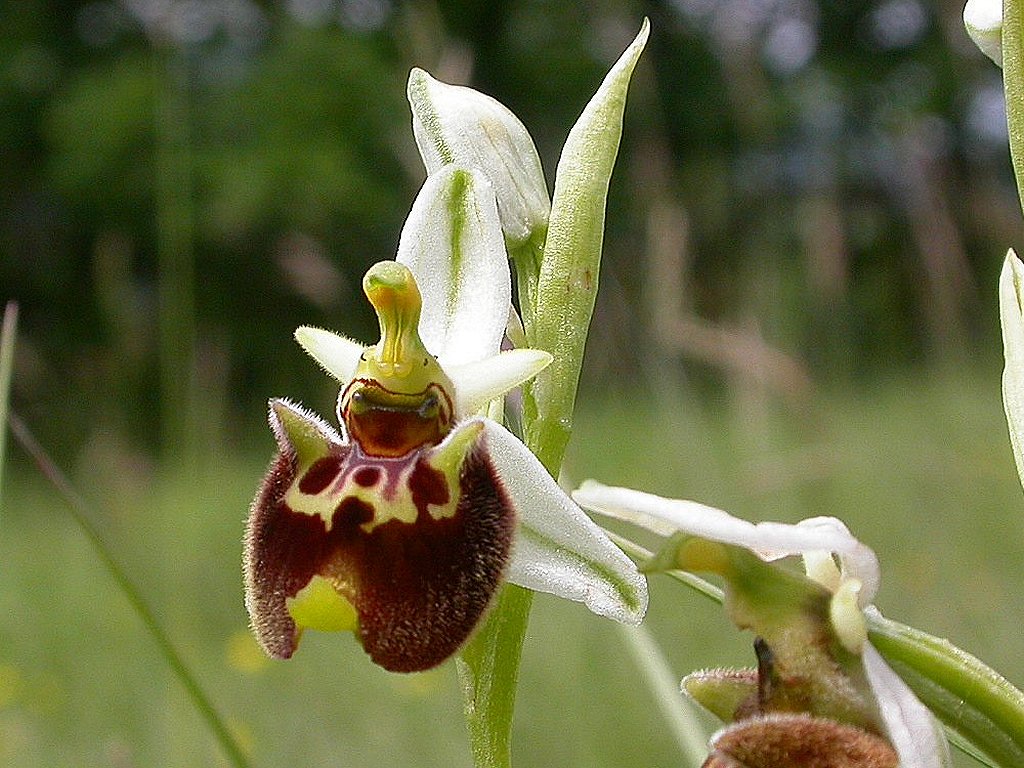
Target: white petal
(1011,316)
(984,22)
(631,506)
(909,725)
(476,384)
(453,244)
(858,560)
(558,549)
(666,516)
(336,354)
(455,124)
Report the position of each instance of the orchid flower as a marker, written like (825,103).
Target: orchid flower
(814,654)
(401,526)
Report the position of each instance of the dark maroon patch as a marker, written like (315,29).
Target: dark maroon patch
(426,586)
(428,486)
(419,589)
(320,475)
(367,476)
(351,513)
(282,552)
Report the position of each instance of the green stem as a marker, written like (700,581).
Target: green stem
(8,332)
(557,286)
(83,516)
(679,712)
(489,672)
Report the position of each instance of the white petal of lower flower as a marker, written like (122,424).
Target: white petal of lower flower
(909,725)
(1011,317)
(858,560)
(558,549)
(453,244)
(666,516)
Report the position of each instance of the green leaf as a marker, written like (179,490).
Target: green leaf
(84,517)
(968,696)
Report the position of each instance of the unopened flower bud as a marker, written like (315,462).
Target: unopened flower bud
(798,741)
(455,124)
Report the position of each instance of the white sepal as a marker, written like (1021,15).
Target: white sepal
(1011,317)
(452,243)
(770,540)
(558,549)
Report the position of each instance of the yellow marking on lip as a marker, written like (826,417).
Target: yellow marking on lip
(318,605)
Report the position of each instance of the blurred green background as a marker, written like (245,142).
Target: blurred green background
(797,317)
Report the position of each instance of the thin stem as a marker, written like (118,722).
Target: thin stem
(8,332)
(663,685)
(557,289)
(489,672)
(84,517)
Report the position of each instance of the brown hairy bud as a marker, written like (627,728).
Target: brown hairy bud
(798,741)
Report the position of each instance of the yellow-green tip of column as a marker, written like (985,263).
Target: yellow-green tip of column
(399,361)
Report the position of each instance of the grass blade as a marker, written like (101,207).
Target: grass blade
(8,331)
(679,711)
(84,517)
